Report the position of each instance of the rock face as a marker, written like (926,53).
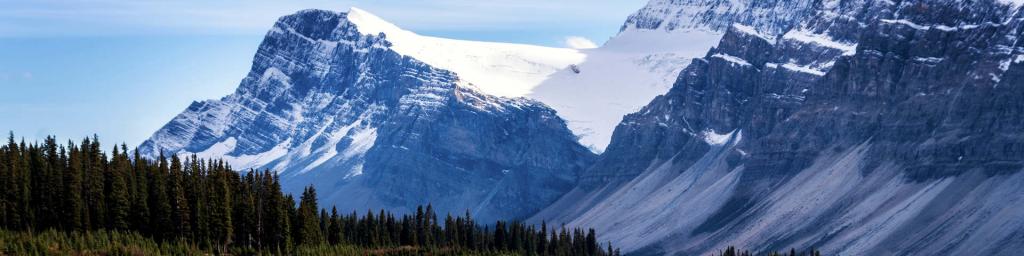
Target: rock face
(719,15)
(370,128)
(643,60)
(870,127)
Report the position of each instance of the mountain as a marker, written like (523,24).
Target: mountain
(343,109)
(331,97)
(866,127)
(852,126)
(644,59)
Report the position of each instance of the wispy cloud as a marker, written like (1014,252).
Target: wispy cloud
(579,42)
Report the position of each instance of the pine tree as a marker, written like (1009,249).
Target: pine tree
(18,186)
(309,232)
(334,235)
(276,218)
(73,205)
(117,195)
(140,214)
(4,175)
(194,175)
(221,229)
(159,201)
(94,186)
(244,211)
(179,207)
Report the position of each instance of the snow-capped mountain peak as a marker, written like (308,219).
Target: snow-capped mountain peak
(332,103)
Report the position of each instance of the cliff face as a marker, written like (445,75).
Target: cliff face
(719,15)
(870,127)
(327,105)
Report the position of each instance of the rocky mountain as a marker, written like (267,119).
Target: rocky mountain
(852,126)
(333,99)
(867,127)
(331,105)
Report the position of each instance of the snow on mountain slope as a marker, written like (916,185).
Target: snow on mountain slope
(620,77)
(591,88)
(500,69)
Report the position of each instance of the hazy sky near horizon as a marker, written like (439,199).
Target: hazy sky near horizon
(122,69)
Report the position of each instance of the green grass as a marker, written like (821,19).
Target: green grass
(91,243)
(130,243)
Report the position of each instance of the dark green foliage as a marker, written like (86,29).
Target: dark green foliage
(117,190)
(732,251)
(308,221)
(74,199)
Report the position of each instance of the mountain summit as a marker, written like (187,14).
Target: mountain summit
(348,111)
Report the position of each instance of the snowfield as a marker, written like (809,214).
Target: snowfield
(613,80)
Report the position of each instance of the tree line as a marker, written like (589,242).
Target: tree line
(732,251)
(80,188)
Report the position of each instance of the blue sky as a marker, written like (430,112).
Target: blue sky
(121,69)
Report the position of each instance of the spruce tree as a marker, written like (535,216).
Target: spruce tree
(221,229)
(140,214)
(159,201)
(180,214)
(334,235)
(74,208)
(309,232)
(4,175)
(94,186)
(117,195)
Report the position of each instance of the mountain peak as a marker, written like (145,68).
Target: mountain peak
(331,103)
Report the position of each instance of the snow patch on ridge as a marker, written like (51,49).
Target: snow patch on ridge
(362,141)
(732,59)
(713,138)
(820,39)
(752,31)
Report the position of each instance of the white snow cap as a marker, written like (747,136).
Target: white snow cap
(500,69)
(608,82)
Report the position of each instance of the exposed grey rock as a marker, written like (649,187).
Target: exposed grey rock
(873,127)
